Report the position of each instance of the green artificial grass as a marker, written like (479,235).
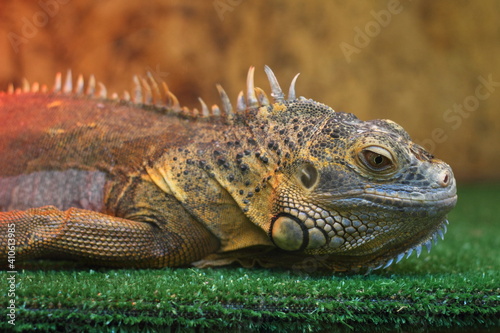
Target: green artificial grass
(454,288)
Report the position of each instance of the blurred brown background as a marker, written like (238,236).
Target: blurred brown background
(432,66)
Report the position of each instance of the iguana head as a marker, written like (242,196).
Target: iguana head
(363,193)
(355,194)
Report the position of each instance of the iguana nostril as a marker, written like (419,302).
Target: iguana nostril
(445,179)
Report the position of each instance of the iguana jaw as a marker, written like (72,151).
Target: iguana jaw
(369,263)
(430,225)
(366,228)
(432,239)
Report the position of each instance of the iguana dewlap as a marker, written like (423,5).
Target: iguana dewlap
(141,182)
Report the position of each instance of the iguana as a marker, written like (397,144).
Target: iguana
(139,181)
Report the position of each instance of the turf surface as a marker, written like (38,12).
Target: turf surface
(455,288)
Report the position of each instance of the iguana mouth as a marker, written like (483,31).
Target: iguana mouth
(410,198)
(394,198)
(428,206)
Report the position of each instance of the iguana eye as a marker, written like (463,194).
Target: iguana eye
(376,158)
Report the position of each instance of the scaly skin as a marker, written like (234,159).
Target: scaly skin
(285,183)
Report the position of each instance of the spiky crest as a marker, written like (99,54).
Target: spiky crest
(149,91)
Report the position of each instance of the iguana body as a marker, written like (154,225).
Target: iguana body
(135,184)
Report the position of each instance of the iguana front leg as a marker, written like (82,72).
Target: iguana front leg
(101,239)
